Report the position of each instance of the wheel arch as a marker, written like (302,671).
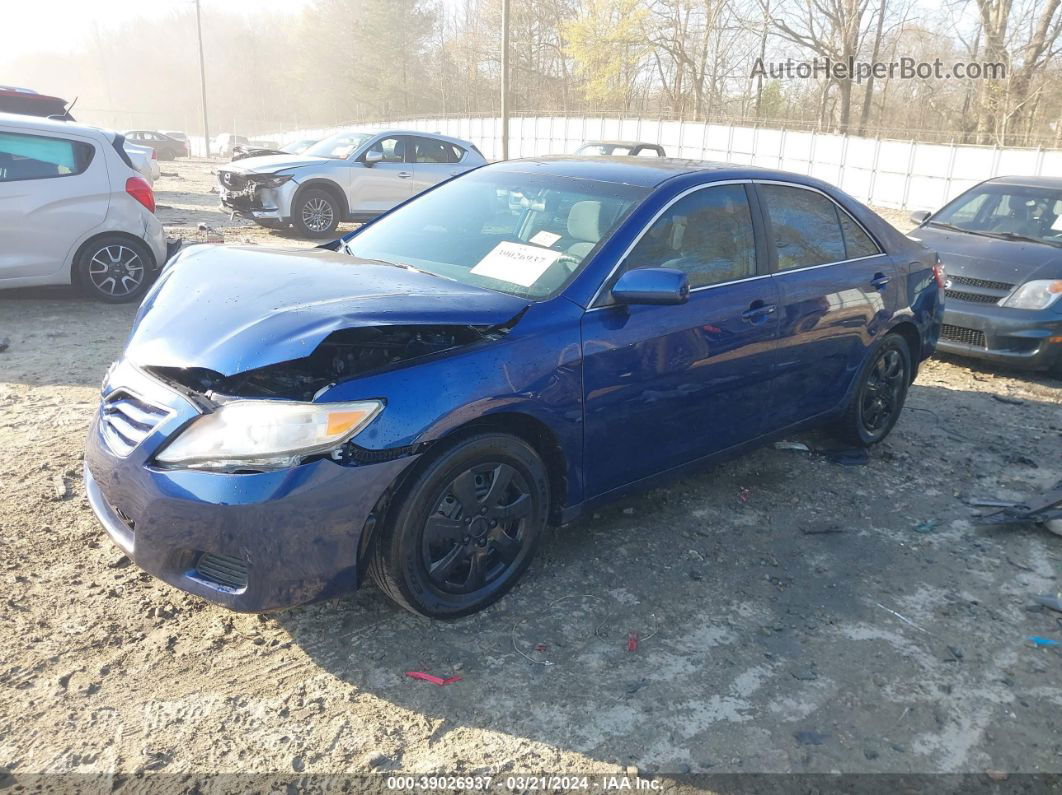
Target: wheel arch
(328,185)
(913,337)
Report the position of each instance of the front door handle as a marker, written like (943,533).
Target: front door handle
(405,174)
(758,311)
(880,280)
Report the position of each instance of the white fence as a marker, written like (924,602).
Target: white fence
(883,172)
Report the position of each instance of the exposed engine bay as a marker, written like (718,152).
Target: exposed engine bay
(342,355)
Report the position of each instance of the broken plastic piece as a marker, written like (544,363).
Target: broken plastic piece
(435,680)
(632,641)
(784,445)
(1045,508)
(1038,641)
(1051,600)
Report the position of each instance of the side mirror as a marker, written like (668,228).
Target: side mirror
(652,286)
(372,157)
(920,216)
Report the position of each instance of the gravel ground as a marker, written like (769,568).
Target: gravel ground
(794,614)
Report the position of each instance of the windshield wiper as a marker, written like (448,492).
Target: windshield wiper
(403,265)
(943,225)
(1025,238)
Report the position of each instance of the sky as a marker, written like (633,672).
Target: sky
(36,26)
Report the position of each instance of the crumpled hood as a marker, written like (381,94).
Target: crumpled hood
(232,309)
(993,259)
(270,164)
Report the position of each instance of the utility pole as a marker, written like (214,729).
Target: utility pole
(202,76)
(504,81)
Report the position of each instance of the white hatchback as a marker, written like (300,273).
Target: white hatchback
(74,210)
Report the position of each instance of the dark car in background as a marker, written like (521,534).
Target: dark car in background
(253,149)
(27,102)
(1001,246)
(166,147)
(513,347)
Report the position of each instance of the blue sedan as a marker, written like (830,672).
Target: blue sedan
(416,401)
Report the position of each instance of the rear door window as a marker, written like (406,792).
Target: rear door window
(805,227)
(25,157)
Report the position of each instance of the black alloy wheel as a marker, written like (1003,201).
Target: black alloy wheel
(464,528)
(478,528)
(879,394)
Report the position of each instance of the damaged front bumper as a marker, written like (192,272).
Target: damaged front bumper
(251,541)
(256,202)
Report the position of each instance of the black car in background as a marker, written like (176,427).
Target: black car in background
(1001,246)
(27,102)
(165,147)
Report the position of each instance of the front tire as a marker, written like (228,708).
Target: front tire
(315,213)
(114,269)
(879,395)
(466,528)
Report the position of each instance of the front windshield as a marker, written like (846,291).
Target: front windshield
(517,233)
(298,147)
(339,146)
(1006,211)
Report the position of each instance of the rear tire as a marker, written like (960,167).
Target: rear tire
(315,213)
(879,394)
(115,269)
(465,529)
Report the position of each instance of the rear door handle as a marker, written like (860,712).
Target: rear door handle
(405,174)
(880,280)
(758,311)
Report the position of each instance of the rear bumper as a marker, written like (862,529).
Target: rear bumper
(1016,337)
(295,532)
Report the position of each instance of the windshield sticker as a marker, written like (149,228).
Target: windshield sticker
(516,263)
(544,238)
(1057,224)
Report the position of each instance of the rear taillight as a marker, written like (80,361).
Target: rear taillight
(140,189)
(154,155)
(938,273)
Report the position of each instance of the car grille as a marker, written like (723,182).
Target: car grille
(223,570)
(984,284)
(232,180)
(967,336)
(126,420)
(973,298)
(981,291)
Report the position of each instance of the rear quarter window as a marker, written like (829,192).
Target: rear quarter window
(26,157)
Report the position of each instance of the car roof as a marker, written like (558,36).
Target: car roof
(640,171)
(52,125)
(1028,182)
(421,133)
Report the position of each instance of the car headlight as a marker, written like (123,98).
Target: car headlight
(269,180)
(266,434)
(1037,294)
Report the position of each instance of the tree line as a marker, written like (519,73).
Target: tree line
(342,61)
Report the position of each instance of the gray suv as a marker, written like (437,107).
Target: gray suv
(351,176)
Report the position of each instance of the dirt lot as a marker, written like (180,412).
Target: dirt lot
(765,592)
